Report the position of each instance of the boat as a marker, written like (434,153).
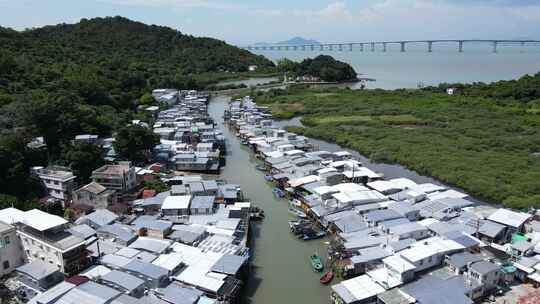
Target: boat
(297,212)
(244,142)
(327,278)
(278,192)
(268,177)
(312,235)
(260,168)
(316,262)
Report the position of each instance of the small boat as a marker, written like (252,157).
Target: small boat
(278,192)
(327,278)
(260,168)
(268,177)
(244,142)
(313,235)
(316,262)
(297,212)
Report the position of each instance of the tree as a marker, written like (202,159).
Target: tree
(83,158)
(146,99)
(157,185)
(135,143)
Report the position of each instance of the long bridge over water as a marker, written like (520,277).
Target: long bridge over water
(383,45)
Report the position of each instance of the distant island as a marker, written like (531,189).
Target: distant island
(322,68)
(292,41)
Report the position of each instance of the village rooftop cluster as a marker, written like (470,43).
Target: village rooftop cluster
(187,245)
(393,241)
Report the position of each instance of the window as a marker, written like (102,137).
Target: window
(6,240)
(6,264)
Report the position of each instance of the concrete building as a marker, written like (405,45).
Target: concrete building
(44,237)
(95,196)
(120,177)
(11,255)
(59,181)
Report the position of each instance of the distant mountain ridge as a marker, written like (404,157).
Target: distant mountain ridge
(292,41)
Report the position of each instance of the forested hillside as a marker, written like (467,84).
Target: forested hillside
(68,79)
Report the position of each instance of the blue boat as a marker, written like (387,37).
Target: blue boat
(278,192)
(268,177)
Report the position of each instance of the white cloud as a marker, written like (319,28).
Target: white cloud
(174,3)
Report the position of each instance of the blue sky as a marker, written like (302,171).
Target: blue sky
(249,21)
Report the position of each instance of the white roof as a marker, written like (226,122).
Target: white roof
(273,154)
(363,287)
(96,271)
(324,189)
(199,273)
(169,261)
(327,170)
(509,217)
(428,221)
(365,197)
(349,163)
(447,194)
(349,187)
(342,153)
(304,180)
(427,188)
(42,221)
(397,263)
(176,202)
(430,247)
(11,215)
(294,152)
(360,172)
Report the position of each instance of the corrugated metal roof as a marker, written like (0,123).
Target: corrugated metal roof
(37,269)
(89,293)
(229,264)
(123,280)
(146,269)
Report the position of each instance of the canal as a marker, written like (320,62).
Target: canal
(280,272)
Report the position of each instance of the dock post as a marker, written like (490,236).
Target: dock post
(373,46)
(384,46)
(460,47)
(402,46)
(430,46)
(494,46)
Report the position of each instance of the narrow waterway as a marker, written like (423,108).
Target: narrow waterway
(281,272)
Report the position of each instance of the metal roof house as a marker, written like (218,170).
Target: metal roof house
(39,275)
(119,233)
(153,275)
(98,218)
(89,293)
(124,282)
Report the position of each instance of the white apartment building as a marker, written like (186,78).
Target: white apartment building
(44,237)
(59,181)
(11,255)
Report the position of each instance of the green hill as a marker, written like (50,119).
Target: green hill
(86,78)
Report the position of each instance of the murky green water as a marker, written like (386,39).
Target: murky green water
(281,272)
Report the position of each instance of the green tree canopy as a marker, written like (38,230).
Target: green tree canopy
(135,143)
(83,158)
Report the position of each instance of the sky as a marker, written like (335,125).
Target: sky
(244,22)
